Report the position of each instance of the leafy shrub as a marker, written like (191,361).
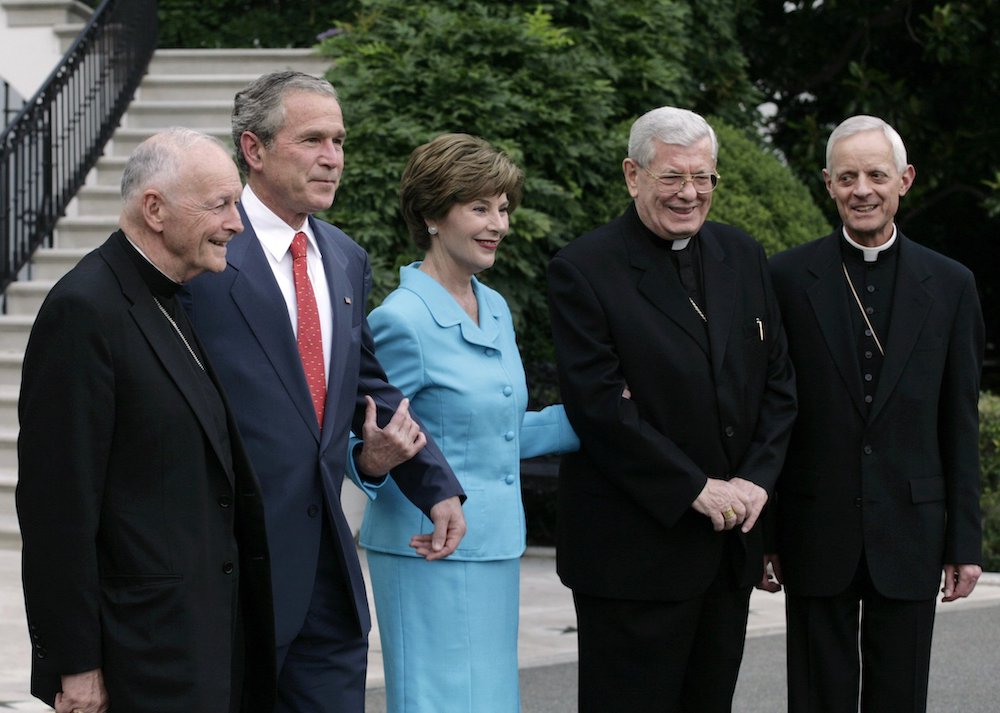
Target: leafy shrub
(554,88)
(989,455)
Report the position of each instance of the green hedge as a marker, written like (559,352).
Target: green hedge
(989,454)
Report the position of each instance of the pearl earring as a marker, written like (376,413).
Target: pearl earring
(431,230)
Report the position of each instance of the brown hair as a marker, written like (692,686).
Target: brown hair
(453,168)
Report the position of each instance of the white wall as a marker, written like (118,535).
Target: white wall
(27,55)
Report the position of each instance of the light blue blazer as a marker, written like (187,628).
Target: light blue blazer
(466,383)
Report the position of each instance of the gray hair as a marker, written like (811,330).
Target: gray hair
(671,126)
(259,108)
(159,158)
(857,124)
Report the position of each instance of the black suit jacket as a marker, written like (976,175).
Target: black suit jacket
(901,479)
(138,536)
(702,405)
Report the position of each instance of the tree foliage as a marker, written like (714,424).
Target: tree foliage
(556,86)
(931,69)
(247,23)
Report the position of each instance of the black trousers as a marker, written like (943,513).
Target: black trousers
(662,656)
(858,648)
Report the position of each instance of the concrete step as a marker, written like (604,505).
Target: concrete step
(44,13)
(53,263)
(67,34)
(10,368)
(250,62)
(14,331)
(125,140)
(192,114)
(8,417)
(99,200)
(84,231)
(185,87)
(8,449)
(10,533)
(8,482)
(24,298)
(108,172)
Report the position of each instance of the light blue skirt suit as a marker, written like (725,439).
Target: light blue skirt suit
(448,628)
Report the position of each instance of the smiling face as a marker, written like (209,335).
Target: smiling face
(298,173)
(468,236)
(672,215)
(200,216)
(866,185)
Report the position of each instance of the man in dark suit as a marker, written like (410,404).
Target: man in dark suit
(880,491)
(656,512)
(145,560)
(298,358)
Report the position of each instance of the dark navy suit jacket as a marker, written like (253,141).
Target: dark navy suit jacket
(242,319)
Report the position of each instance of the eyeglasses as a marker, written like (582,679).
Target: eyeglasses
(675,182)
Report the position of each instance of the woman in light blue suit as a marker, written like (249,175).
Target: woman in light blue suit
(449,628)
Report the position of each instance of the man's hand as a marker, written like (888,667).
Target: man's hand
(449,529)
(771,580)
(959,580)
(719,499)
(754,498)
(385,448)
(83,693)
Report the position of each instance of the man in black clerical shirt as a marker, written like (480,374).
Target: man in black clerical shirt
(145,561)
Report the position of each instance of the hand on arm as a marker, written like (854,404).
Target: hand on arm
(959,580)
(83,692)
(449,529)
(385,448)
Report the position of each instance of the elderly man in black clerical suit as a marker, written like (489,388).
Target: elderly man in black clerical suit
(656,512)
(145,561)
(880,490)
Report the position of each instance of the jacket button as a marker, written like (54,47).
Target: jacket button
(509,479)
(868,450)
(40,653)
(225,501)
(490,352)
(312,511)
(730,431)
(228,567)
(857,502)
(509,435)
(507,391)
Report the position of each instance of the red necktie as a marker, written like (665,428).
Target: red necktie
(309,336)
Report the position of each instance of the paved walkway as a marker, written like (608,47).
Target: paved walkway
(547,627)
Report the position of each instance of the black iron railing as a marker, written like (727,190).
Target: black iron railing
(47,151)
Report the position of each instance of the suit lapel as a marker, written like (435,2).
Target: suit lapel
(658,281)
(447,312)
(830,301)
(257,296)
(342,296)
(720,295)
(165,343)
(910,308)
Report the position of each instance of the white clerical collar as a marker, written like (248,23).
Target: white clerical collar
(679,244)
(871,254)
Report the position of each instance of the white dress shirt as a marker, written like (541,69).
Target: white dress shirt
(275,237)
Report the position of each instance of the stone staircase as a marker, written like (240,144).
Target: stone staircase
(192,88)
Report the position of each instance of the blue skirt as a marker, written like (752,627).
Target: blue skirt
(449,633)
